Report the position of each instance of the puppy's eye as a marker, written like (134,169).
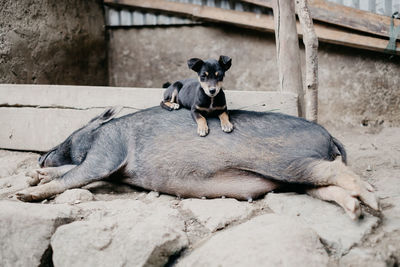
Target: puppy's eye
(217,73)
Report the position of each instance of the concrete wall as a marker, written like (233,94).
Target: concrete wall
(52,42)
(355,85)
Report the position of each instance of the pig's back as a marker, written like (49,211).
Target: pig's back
(166,144)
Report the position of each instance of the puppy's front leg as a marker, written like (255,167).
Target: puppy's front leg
(226,125)
(202,128)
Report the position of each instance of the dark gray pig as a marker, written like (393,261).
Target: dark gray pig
(158,150)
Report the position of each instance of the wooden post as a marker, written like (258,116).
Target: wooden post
(310,41)
(288,52)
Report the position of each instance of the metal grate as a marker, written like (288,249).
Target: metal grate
(127,17)
(382,7)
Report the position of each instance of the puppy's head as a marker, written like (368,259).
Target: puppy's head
(211,73)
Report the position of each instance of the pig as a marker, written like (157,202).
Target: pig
(155,149)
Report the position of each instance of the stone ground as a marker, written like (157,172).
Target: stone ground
(107,224)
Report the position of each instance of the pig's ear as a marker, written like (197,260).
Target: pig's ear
(107,114)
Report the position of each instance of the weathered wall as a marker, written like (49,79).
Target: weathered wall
(148,57)
(52,42)
(355,85)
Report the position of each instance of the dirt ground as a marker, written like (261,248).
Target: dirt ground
(373,153)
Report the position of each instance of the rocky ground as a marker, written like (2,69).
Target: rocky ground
(107,224)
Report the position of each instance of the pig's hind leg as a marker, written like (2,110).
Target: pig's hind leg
(334,181)
(339,195)
(95,167)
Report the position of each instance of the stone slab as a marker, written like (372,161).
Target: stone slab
(331,223)
(215,214)
(267,240)
(26,229)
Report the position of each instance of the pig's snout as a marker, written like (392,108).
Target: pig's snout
(42,159)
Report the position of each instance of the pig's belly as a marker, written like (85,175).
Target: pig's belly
(234,183)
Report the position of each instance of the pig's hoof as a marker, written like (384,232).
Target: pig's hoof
(367,196)
(25,195)
(47,174)
(202,131)
(361,190)
(33,177)
(30,194)
(227,127)
(352,208)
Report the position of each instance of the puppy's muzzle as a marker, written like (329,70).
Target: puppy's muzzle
(213,90)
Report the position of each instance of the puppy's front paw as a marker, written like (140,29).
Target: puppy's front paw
(202,130)
(227,127)
(175,106)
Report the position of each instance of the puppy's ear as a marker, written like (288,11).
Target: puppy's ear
(195,64)
(225,62)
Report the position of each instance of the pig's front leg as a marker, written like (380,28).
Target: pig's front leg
(99,163)
(45,175)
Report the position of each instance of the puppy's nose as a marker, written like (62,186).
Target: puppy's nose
(212,90)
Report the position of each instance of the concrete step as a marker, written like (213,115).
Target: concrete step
(38,117)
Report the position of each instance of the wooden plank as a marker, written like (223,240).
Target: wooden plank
(254,21)
(38,117)
(343,16)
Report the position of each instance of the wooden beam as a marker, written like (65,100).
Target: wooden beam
(254,21)
(343,16)
(288,51)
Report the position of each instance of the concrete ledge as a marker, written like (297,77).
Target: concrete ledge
(38,117)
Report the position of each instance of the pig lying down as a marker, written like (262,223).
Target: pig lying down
(156,150)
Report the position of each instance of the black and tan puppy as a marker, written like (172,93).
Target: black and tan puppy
(203,96)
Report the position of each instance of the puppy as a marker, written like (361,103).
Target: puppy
(203,96)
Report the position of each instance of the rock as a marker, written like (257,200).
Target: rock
(13,166)
(387,182)
(267,240)
(74,196)
(12,162)
(331,223)
(26,229)
(120,233)
(12,184)
(217,213)
(391,214)
(362,257)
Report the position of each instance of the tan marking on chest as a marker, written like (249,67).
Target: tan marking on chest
(211,108)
